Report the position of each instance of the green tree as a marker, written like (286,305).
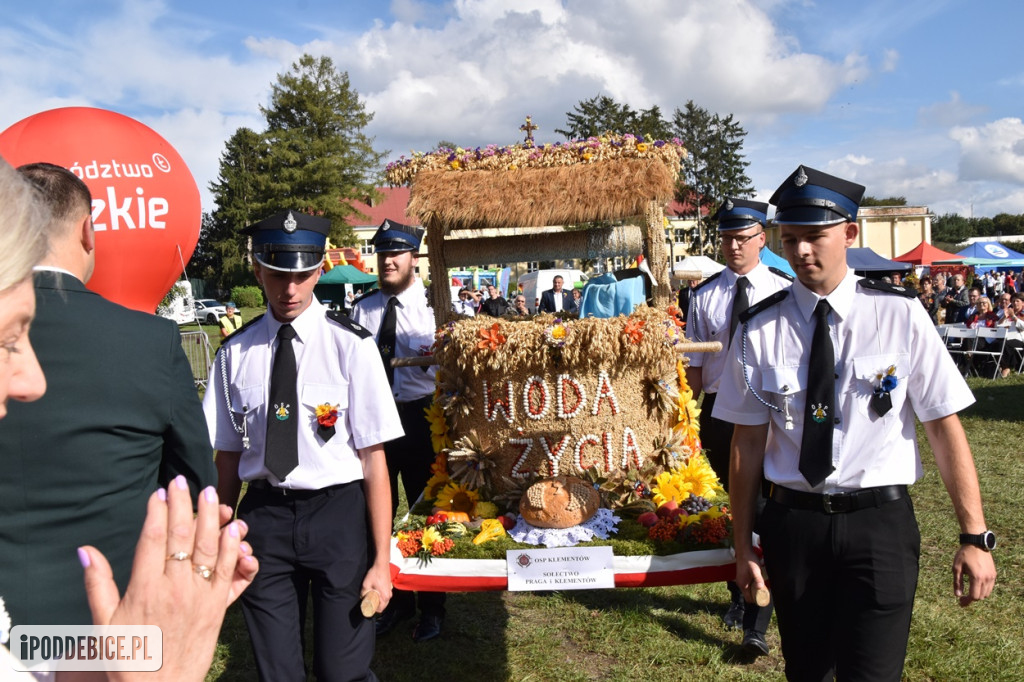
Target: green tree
(951,228)
(222,256)
(601,114)
(714,167)
(885,201)
(318,159)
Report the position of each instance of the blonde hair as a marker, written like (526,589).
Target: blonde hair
(23,221)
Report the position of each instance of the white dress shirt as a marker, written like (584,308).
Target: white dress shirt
(870,330)
(710,312)
(335,366)
(414,336)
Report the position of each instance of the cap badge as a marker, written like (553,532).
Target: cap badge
(289,223)
(801,178)
(729,205)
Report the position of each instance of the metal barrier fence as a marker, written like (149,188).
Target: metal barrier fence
(197,348)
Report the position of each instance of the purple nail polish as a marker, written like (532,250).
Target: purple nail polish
(180,481)
(83,558)
(210,493)
(162,494)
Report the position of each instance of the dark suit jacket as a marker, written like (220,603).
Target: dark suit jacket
(121,415)
(547,301)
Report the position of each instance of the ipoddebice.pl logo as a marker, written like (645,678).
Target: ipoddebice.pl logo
(39,648)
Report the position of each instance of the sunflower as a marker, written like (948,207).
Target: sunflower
(669,486)
(435,485)
(695,477)
(439,437)
(457,497)
(699,478)
(430,536)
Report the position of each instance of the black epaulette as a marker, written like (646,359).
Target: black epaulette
(709,280)
(365,294)
(879,285)
(781,273)
(747,314)
(346,322)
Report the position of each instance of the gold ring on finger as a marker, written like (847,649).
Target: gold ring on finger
(205,572)
(179,556)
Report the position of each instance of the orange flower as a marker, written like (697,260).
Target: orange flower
(491,338)
(675,315)
(634,329)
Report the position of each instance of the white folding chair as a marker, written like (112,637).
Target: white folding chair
(989,345)
(960,344)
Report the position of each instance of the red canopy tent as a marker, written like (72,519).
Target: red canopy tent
(926,254)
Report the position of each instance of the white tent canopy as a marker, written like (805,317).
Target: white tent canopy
(706,266)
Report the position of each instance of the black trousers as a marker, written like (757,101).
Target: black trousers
(716,439)
(411,456)
(310,542)
(844,588)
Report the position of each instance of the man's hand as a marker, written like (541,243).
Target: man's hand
(378,578)
(977,566)
(748,576)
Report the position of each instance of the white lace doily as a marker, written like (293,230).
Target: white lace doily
(601,525)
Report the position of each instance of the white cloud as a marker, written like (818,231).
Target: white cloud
(994,151)
(890,60)
(951,113)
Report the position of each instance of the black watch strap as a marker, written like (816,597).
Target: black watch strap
(985,540)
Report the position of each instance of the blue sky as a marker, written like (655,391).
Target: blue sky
(919,98)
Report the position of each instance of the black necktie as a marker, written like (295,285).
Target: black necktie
(386,339)
(816,444)
(739,304)
(282,449)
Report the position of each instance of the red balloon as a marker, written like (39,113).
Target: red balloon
(145,202)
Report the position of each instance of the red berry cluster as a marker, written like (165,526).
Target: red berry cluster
(710,531)
(411,546)
(442,546)
(665,530)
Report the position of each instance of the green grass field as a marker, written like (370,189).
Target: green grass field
(676,633)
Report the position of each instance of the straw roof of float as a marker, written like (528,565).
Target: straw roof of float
(613,189)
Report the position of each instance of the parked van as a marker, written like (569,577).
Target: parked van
(533,284)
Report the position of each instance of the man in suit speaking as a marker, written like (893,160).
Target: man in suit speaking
(121,417)
(555,299)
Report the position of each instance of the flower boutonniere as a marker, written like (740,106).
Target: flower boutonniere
(326,416)
(883,384)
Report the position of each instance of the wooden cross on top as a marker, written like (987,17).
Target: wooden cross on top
(529,128)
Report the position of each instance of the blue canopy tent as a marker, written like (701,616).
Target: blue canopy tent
(774,260)
(991,256)
(864,261)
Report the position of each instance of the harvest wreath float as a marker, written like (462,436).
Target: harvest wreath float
(558,430)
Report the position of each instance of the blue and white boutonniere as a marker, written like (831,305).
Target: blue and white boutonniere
(883,384)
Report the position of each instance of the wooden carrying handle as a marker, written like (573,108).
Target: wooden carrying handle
(370,602)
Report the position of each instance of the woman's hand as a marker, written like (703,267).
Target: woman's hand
(186,573)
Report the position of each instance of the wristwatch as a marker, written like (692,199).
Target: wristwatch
(986,540)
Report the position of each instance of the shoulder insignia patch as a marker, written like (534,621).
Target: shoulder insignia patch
(760,306)
(709,280)
(365,294)
(781,273)
(346,322)
(885,287)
